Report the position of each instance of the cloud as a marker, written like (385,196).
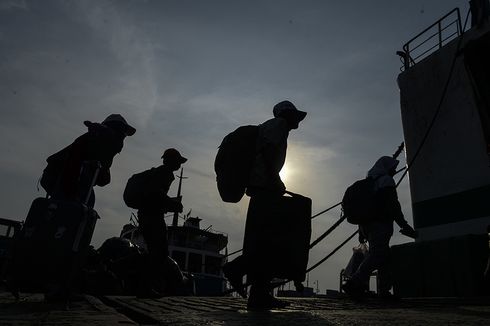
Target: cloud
(133,54)
(13,5)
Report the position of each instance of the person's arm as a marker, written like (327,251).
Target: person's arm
(113,146)
(166,201)
(392,206)
(393,209)
(105,145)
(361,236)
(274,150)
(271,152)
(104,177)
(163,201)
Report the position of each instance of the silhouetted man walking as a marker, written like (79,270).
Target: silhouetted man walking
(62,177)
(52,246)
(379,231)
(151,212)
(265,188)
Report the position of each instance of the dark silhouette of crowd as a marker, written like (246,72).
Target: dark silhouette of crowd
(277,230)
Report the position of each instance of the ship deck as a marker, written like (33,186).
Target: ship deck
(112,310)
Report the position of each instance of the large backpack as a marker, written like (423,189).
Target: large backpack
(137,188)
(359,203)
(234,161)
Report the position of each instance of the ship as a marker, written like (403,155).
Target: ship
(445,109)
(199,252)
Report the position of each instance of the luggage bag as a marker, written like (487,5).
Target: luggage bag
(53,243)
(277,235)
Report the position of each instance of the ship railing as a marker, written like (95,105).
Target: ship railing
(196,245)
(210,229)
(431,39)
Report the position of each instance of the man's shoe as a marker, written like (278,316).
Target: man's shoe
(387,296)
(265,303)
(352,290)
(279,304)
(150,294)
(235,281)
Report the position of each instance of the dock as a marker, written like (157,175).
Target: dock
(191,311)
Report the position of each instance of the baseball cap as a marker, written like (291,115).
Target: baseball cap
(118,119)
(284,106)
(174,155)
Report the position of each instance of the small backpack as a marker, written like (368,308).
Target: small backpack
(359,203)
(234,161)
(136,188)
(51,177)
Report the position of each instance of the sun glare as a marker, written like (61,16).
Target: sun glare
(285,174)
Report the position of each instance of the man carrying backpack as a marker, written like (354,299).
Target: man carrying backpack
(152,206)
(62,177)
(52,246)
(265,187)
(379,230)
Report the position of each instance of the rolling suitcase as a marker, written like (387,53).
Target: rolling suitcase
(277,235)
(52,246)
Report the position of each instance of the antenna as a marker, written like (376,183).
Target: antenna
(399,150)
(175,220)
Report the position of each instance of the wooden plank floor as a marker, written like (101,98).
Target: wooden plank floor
(32,310)
(214,311)
(191,311)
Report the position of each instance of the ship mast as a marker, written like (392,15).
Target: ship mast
(175,220)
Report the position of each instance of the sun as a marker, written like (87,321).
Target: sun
(285,173)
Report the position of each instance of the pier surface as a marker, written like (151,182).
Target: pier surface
(190,311)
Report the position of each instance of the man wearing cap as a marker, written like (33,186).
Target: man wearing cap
(265,183)
(62,177)
(272,147)
(151,218)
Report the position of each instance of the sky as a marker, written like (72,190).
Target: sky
(185,73)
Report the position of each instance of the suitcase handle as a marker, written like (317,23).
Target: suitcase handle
(97,166)
(292,194)
(83,224)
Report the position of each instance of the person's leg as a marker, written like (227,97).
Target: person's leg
(259,289)
(256,248)
(154,231)
(378,235)
(236,266)
(234,272)
(385,277)
(261,297)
